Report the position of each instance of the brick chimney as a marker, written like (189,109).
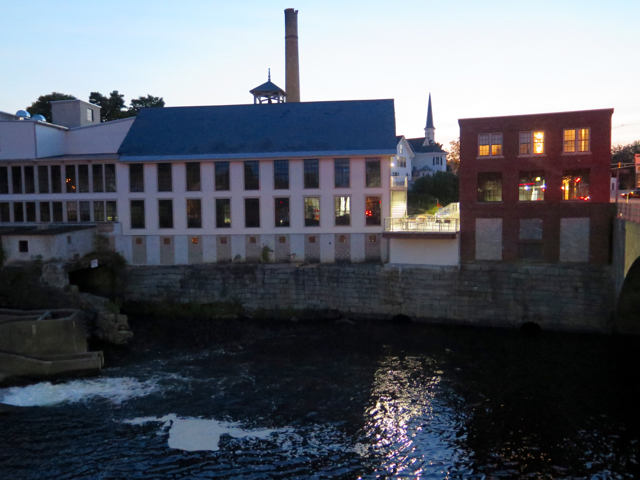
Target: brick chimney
(292,66)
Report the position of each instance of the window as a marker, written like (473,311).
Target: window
(400,148)
(98,211)
(72,211)
(372,167)
(575,185)
(137,214)
(98,177)
(373,212)
(85,211)
(312,211)
(165,213)
(89,115)
(222,175)
(531,143)
(282,212)
(577,140)
(223,212)
(395,174)
(193,177)
(252,212)
(16,179)
(532,186)
(280,174)
(194,213)
(56,179)
(282,239)
(83,178)
(5,212)
(29,180)
(490,144)
(70,178)
(43,179)
(136,178)
(45,212)
(402,162)
(18,212)
(252,175)
(30,209)
(342,210)
(490,187)
(165,183)
(110,177)
(112,212)
(341,170)
(195,240)
(437,160)
(4,180)
(311,173)
(23,246)
(57,211)
(166,241)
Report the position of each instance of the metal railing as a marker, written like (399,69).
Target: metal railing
(399,181)
(451,210)
(426,224)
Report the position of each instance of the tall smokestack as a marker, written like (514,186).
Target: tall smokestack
(291,53)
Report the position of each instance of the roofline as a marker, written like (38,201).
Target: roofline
(110,122)
(247,155)
(289,103)
(539,114)
(75,100)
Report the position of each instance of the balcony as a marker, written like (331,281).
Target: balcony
(399,183)
(422,224)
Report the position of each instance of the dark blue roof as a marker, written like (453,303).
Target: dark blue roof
(417,145)
(364,127)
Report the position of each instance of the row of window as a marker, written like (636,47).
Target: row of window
(532,186)
(58,178)
(311,206)
(95,211)
(342,175)
(533,143)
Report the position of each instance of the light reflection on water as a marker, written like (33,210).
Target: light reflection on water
(321,401)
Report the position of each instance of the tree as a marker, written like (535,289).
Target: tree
(112,107)
(145,102)
(42,106)
(442,185)
(625,154)
(454,156)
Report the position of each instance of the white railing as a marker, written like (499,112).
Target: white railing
(399,181)
(426,223)
(451,210)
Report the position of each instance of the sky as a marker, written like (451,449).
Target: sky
(476,58)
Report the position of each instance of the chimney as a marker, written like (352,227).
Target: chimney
(292,86)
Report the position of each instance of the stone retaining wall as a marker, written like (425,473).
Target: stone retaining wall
(558,297)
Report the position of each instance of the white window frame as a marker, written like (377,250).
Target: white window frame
(576,140)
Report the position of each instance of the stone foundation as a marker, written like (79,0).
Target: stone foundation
(557,297)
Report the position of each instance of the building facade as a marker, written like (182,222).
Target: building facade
(536,187)
(283,182)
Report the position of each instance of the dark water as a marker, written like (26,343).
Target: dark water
(296,400)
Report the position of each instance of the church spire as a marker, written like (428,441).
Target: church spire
(429,130)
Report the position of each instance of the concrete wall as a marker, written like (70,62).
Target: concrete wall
(424,252)
(102,138)
(558,297)
(66,246)
(18,140)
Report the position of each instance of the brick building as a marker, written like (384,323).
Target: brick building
(536,187)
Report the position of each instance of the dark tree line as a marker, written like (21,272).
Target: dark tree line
(113,106)
(625,154)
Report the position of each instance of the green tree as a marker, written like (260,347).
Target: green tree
(42,106)
(112,107)
(626,153)
(454,156)
(145,102)
(442,185)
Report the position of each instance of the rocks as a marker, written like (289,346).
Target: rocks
(113,328)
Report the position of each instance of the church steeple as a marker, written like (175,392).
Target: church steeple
(429,130)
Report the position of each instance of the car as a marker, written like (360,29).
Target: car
(632,194)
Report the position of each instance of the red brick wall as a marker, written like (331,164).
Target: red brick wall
(553,162)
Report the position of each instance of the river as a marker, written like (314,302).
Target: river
(297,400)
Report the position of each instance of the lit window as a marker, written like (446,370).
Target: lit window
(312,211)
(194,213)
(532,186)
(577,140)
(195,240)
(531,143)
(372,211)
(342,210)
(575,185)
(490,144)
(282,212)
(223,213)
(490,187)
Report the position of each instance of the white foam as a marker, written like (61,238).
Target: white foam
(116,390)
(196,434)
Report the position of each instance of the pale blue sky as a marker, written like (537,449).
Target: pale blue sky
(478,58)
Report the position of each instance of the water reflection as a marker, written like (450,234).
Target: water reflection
(410,429)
